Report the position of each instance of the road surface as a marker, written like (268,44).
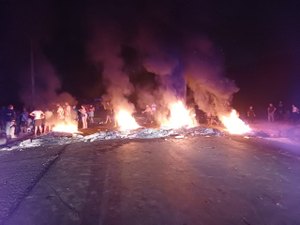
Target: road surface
(195,180)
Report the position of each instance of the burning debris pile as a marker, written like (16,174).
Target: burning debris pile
(288,134)
(54,138)
(180,81)
(179,123)
(233,124)
(182,77)
(145,133)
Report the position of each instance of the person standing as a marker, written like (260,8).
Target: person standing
(67,112)
(251,114)
(280,111)
(24,121)
(10,121)
(295,113)
(60,112)
(109,112)
(74,114)
(49,121)
(2,118)
(83,116)
(91,113)
(38,116)
(271,111)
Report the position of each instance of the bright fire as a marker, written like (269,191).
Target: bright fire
(179,117)
(233,124)
(65,127)
(126,121)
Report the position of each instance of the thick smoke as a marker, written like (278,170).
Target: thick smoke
(105,48)
(164,65)
(194,63)
(204,75)
(46,88)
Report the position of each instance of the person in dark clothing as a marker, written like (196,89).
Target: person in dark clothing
(109,112)
(24,121)
(280,111)
(251,114)
(2,118)
(10,121)
(271,111)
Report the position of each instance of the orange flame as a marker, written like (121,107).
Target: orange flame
(65,127)
(179,117)
(126,121)
(233,124)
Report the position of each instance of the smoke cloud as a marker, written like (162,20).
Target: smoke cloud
(165,65)
(46,89)
(204,76)
(192,63)
(105,48)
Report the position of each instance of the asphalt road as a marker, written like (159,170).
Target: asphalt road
(196,180)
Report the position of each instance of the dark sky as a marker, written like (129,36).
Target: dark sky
(258,41)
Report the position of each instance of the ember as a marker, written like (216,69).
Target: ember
(126,121)
(233,124)
(180,117)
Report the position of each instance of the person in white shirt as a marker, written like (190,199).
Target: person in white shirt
(48,121)
(83,115)
(38,116)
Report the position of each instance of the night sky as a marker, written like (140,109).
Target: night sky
(258,42)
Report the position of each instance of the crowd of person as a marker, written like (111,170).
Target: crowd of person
(277,113)
(42,120)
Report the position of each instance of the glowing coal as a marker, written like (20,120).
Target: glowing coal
(233,124)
